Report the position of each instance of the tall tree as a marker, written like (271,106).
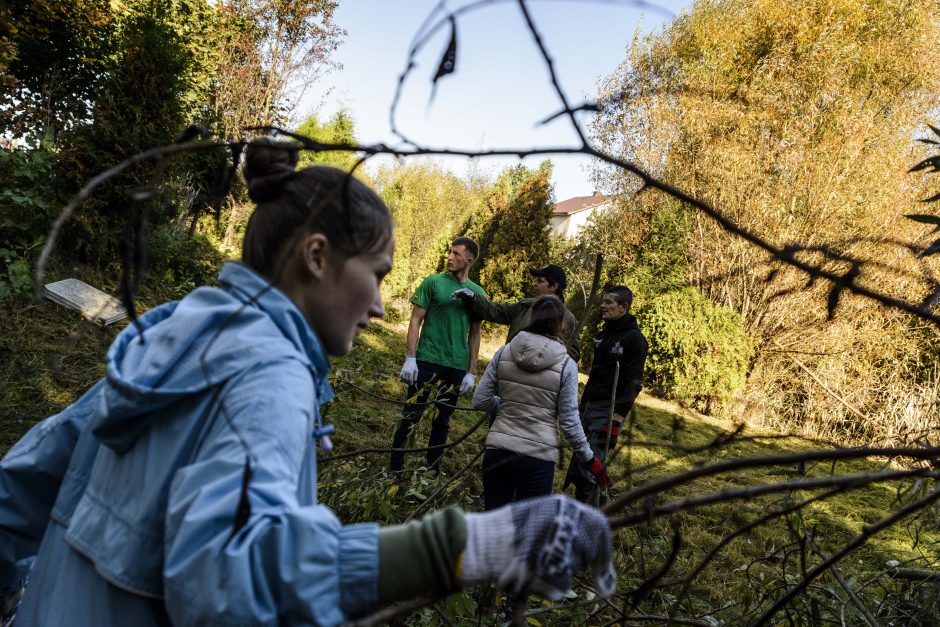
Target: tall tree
(7,43)
(271,51)
(148,91)
(794,119)
(54,54)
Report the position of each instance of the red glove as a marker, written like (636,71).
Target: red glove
(596,468)
(612,437)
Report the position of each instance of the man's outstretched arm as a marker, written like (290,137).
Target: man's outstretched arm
(483,308)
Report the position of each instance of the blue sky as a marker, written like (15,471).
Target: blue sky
(500,89)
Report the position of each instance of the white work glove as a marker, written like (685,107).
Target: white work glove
(466,386)
(537,546)
(464,294)
(409,372)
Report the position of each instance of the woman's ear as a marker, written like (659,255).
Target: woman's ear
(313,254)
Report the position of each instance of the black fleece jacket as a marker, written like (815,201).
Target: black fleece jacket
(619,341)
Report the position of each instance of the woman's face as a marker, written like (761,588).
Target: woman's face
(346,296)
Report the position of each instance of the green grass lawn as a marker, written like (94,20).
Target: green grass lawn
(50,357)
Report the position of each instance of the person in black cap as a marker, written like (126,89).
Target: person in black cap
(550,280)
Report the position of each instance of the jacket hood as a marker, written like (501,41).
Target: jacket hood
(535,353)
(185,348)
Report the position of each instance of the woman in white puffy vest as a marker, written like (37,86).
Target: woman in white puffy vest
(532,384)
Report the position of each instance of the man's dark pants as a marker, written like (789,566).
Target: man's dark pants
(445,398)
(594,420)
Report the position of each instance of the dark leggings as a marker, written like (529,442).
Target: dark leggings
(509,477)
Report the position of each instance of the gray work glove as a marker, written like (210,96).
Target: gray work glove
(464,294)
(537,546)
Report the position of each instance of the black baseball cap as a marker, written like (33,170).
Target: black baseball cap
(551,272)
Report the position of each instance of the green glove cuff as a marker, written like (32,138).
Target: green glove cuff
(421,556)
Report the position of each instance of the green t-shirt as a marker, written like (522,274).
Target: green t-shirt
(446,327)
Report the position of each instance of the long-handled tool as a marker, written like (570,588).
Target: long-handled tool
(596,492)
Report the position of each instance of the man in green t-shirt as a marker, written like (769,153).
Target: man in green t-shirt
(443,343)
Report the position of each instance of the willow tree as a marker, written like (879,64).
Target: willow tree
(796,120)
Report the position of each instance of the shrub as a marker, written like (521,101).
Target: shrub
(699,352)
(180,263)
(28,204)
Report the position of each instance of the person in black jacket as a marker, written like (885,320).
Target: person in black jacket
(619,341)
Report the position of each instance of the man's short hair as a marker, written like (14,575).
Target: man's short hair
(621,293)
(469,244)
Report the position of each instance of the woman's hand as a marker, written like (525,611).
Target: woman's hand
(537,546)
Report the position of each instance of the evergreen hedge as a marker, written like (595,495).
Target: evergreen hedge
(699,352)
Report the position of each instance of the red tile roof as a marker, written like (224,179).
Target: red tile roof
(578,203)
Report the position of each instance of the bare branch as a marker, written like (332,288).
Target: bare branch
(550,66)
(859,540)
(741,463)
(401,609)
(850,481)
(845,586)
(363,451)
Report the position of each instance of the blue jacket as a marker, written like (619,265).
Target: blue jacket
(133,489)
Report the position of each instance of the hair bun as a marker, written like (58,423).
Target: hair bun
(268,164)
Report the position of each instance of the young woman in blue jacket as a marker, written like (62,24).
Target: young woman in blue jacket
(181,488)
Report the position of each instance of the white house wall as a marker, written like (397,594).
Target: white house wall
(571,225)
(577,221)
(559,225)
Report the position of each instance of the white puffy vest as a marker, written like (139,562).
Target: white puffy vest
(528,381)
